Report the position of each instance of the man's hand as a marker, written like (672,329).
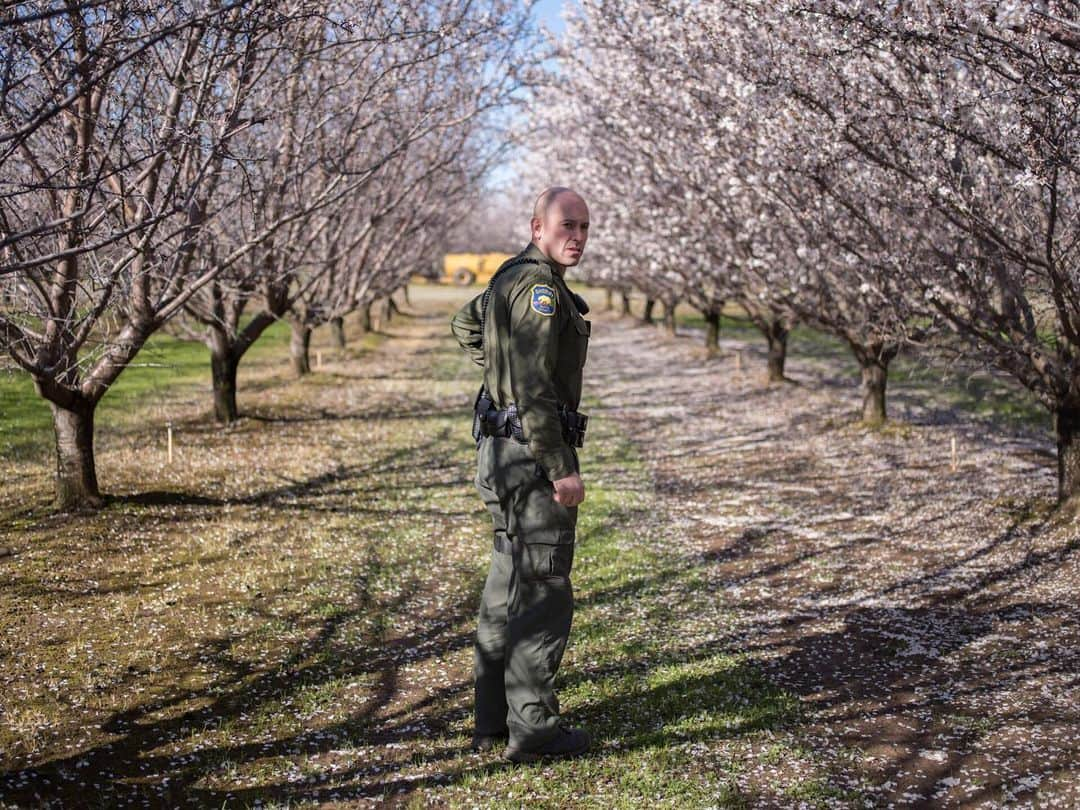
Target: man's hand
(569,491)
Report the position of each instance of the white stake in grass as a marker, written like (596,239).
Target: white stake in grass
(953,454)
(168,433)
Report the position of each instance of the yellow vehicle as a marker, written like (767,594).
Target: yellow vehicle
(463,269)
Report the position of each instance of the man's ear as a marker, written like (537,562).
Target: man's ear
(534,227)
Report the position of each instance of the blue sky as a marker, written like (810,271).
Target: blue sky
(547,12)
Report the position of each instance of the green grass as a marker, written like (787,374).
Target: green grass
(165,368)
(994,397)
(817,792)
(274,612)
(802,338)
(660,698)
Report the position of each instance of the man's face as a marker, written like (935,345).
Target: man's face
(562,233)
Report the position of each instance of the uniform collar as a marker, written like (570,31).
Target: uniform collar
(534,253)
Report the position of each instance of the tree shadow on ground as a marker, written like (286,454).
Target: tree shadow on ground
(305,493)
(887,679)
(896,684)
(137,766)
(892,681)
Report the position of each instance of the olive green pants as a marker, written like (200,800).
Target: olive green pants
(528,603)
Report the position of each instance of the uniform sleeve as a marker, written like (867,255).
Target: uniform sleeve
(466,328)
(535,322)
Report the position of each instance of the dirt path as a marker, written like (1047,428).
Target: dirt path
(928,617)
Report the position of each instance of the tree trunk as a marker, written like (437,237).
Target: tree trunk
(874,379)
(365,319)
(625,304)
(226,352)
(76,477)
(874,361)
(777,334)
(223,366)
(669,317)
(1067,427)
(299,349)
(609,303)
(224,362)
(712,332)
(650,305)
(337,332)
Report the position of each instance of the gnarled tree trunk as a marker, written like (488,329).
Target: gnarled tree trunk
(76,476)
(669,317)
(226,352)
(1067,428)
(609,303)
(224,363)
(712,331)
(874,362)
(875,377)
(625,304)
(365,318)
(300,348)
(647,315)
(776,334)
(223,367)
(337,332)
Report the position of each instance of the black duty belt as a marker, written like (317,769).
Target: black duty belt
(491,421)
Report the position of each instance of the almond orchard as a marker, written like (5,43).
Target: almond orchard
(829,552)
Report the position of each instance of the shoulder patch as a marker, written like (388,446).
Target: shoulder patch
(543,299)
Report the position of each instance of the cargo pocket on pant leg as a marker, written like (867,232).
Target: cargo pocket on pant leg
(546,560)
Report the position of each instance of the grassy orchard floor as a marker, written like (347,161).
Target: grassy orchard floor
(168,378)
(775,608)
(966,391)
(284,613)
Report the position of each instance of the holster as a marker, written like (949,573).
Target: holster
(491,421)
(478,409)
(574,424)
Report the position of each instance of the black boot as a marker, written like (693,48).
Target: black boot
(569,742)
(486,742)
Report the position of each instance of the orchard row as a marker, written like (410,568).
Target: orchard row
(891,173)
(212,168)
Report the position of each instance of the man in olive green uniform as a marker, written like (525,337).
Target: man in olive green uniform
(531,339)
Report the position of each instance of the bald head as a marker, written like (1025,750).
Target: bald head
(560,225)
(547,196)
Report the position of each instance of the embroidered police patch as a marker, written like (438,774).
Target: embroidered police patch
(543,299)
